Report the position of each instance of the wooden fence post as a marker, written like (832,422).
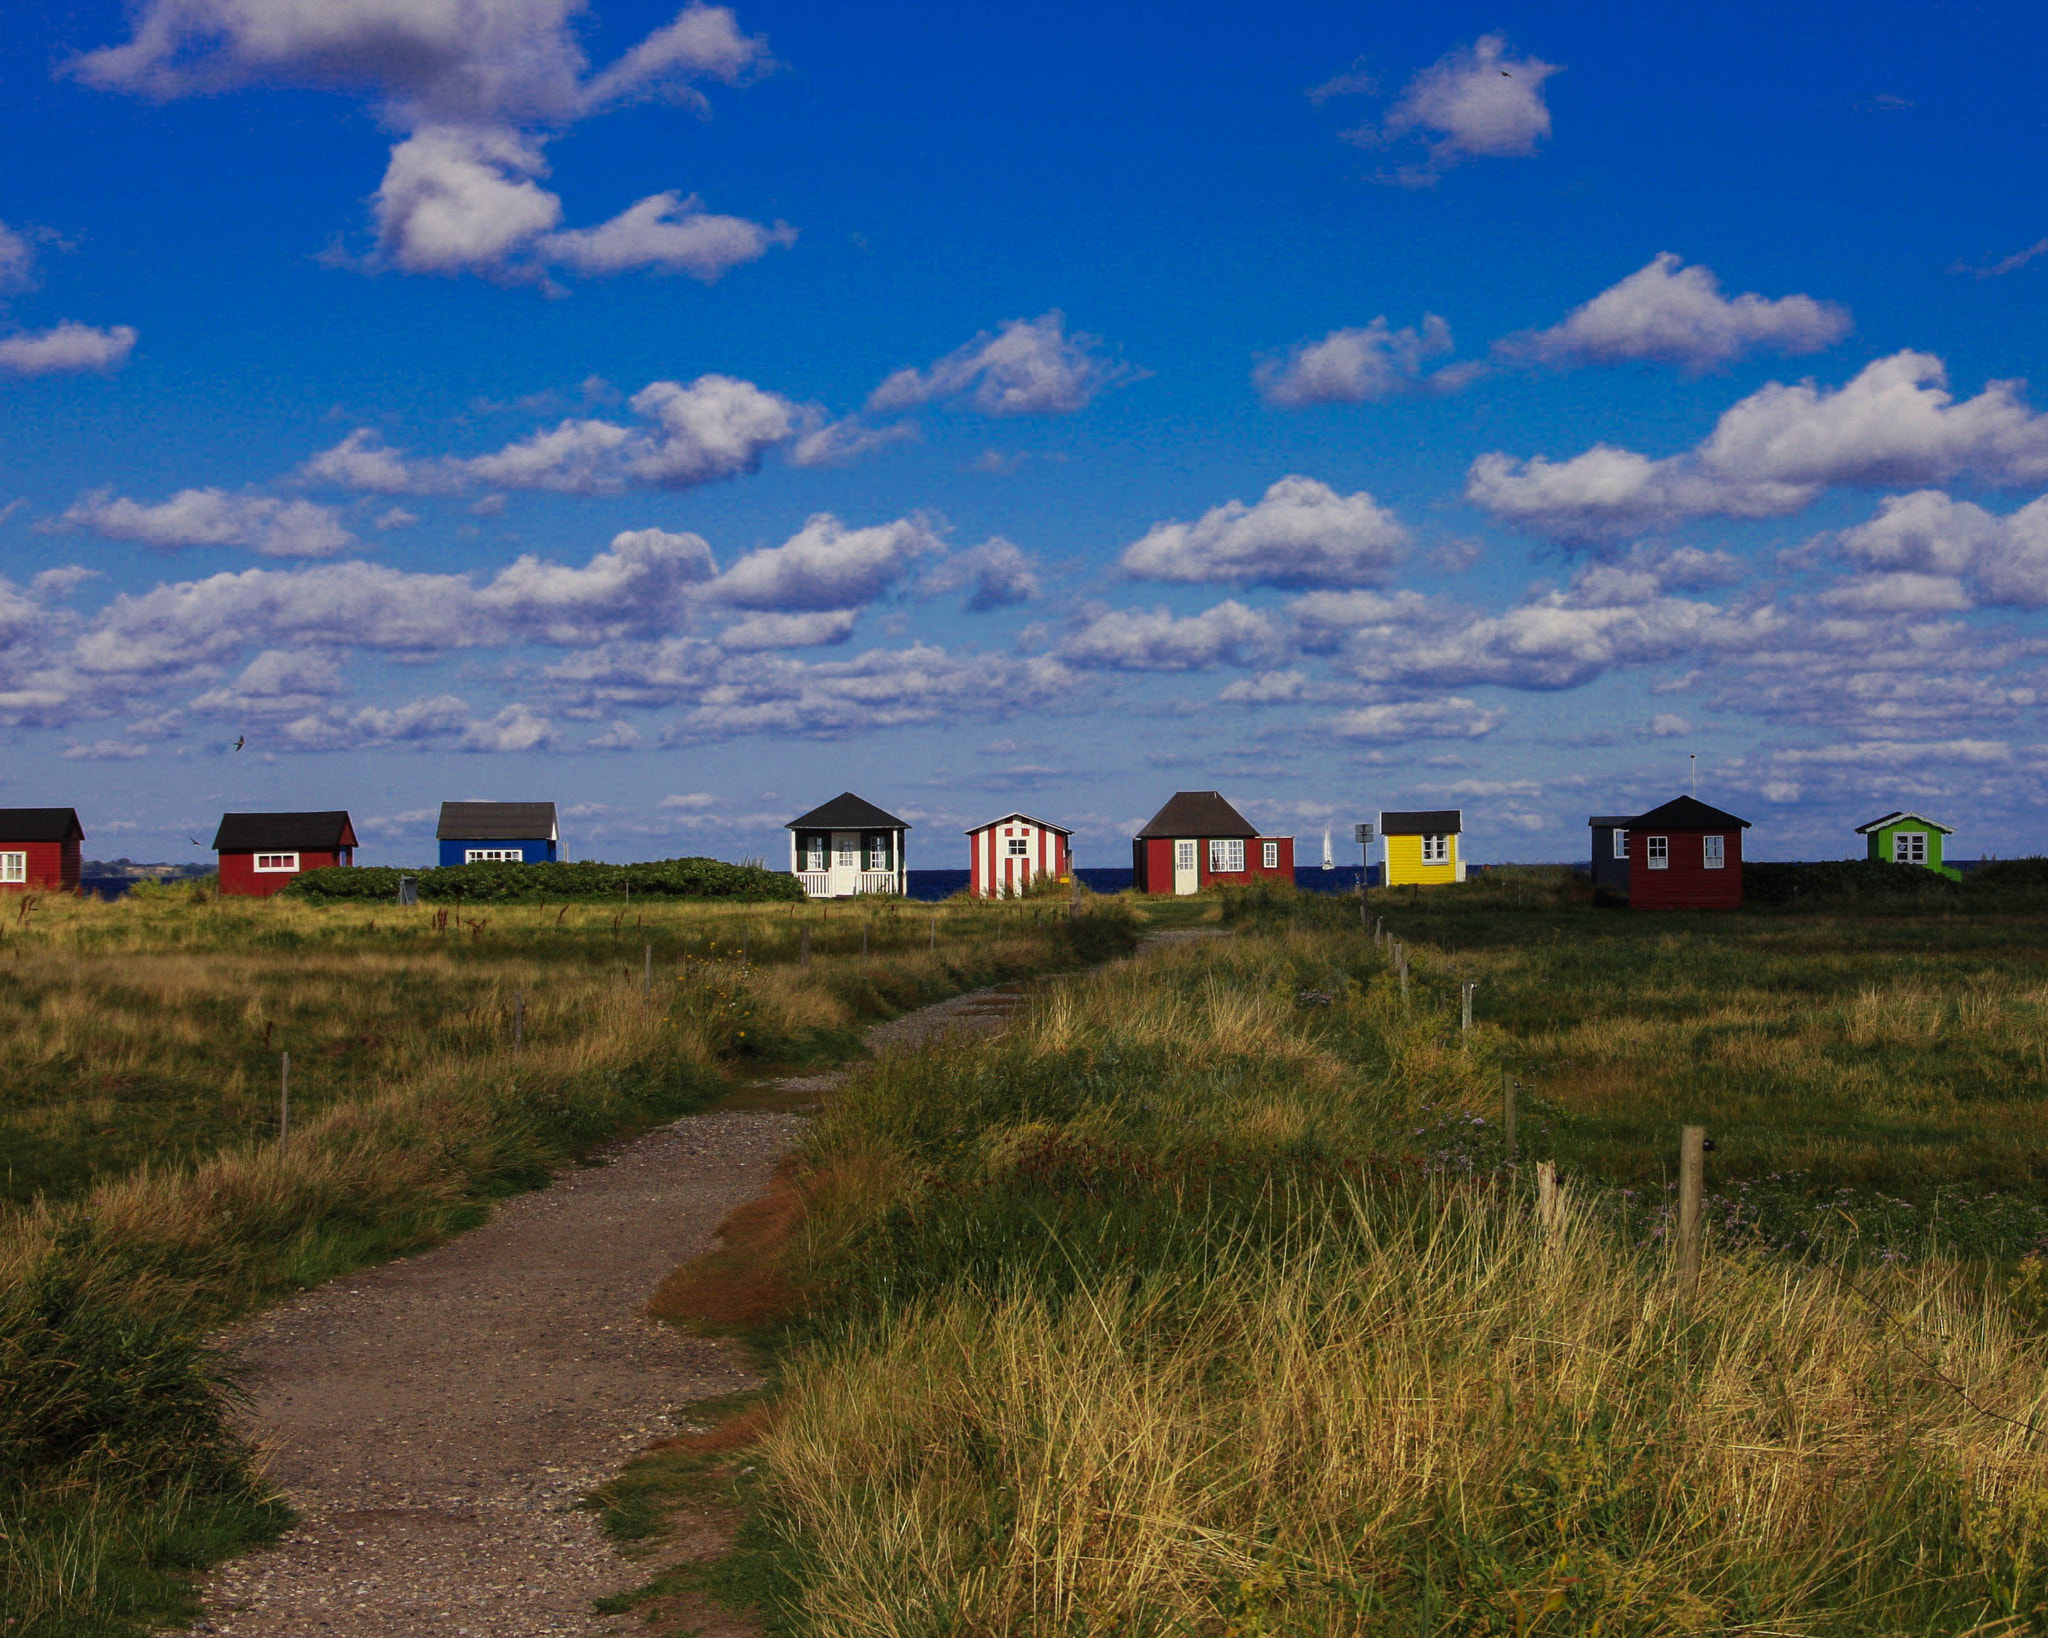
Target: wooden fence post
(284,1098)
(1692,1164)
(647,972)
(1507,1114)
(1465,1020)
(1547,1213)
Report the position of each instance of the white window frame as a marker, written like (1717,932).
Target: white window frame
(13,869)
(1713,853)
(1269,853)
(493,855)
(848,857)
(1436,850)
(1183,855)
(878,854)
(1226,855)
(1909,847)
(1657,852)
(277,864)
(1621,844)
(1017,847)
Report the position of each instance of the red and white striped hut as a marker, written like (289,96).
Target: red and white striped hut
(1007,854)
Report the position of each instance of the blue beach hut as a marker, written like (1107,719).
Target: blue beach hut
(497,833)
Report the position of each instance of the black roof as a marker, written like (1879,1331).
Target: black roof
(496,822)
(283,832)
(40,825)
(1686,813)
(847,812)
(1611,821)
(1198,814)
(1424,822)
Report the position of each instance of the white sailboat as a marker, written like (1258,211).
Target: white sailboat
(1329,859)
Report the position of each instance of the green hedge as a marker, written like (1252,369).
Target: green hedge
(531,883)
(1845,881)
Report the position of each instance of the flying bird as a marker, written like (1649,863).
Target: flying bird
(1504,74)
(240,741)
(195,841)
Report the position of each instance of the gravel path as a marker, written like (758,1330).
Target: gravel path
(435,1420)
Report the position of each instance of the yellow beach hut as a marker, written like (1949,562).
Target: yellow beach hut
(1422,847)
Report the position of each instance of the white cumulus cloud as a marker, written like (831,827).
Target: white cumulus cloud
(1300,533)
(1669,313)
(1478,101)
(1362,365)
(1028,367)
(1158,640)
(477,86)
(66,349)
(1772,453)
(213,517)
(825,566)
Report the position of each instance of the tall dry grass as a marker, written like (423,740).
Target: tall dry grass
(143,1038)
(1194,1306)
(1445,1421)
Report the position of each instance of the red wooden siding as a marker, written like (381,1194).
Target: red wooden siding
(1152,862)
(239,876)
(1684,883)
(995,871)
(52,866)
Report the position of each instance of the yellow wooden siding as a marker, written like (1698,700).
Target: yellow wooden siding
(1404,863)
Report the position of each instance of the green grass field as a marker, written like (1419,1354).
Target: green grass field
(149,1194)
(1202,1302)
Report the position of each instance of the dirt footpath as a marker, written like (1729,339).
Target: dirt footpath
(436,1420)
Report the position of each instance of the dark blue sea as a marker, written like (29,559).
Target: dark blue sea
(943,884)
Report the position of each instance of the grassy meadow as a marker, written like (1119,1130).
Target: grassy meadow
(1201,1302)
(440,1057)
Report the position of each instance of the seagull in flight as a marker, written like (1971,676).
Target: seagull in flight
(240,741)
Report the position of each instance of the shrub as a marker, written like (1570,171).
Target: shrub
(1844,881)
(530,883)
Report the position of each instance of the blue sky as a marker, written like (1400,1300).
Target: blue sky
(689,415)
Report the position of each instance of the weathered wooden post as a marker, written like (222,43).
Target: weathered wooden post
(647,972)
(803,946)
(1547,1210)
(519,1021)
(1507,1114)
(1692,1165)
(1465,1019)
(284,1098)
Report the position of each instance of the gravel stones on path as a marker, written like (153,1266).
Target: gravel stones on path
(435,1421)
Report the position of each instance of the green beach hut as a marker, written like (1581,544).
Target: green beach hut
(1907,838)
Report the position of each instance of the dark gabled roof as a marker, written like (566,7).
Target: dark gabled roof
(1611,821)
(1042,824)
(848,812)
(1686,813)
(496,822)
(283,832)
(1423,822)
(1198,814)
(1899,818)
(40,825)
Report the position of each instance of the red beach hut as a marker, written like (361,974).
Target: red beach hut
(39,849)
(261,852)
(1685,856)
(1198,840)
(1006,855)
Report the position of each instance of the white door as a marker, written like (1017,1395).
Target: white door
(846,863)
(1186,878)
